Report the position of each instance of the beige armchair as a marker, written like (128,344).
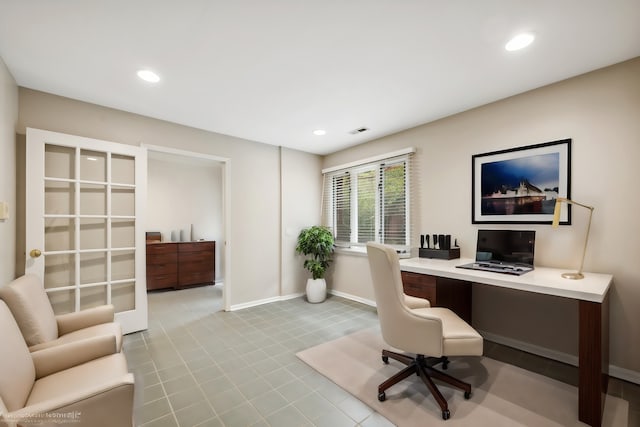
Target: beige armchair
(84,383)
(431,333)
(41,329)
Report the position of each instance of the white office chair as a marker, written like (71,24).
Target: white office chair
(431,333)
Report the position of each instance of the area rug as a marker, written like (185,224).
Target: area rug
(503,395)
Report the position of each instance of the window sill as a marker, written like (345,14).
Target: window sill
(362,251)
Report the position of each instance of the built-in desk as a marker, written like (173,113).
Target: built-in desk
(591,294)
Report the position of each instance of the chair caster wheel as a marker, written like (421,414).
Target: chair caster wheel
(445,364)
(385,359)
(382,396)
(467,395)
(446,414)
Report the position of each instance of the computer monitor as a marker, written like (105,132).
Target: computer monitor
(506,246)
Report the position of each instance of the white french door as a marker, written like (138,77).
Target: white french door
(85,203)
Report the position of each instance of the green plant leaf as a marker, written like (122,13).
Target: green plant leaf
(316,243)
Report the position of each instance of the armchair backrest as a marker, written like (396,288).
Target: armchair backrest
(31,309)
(401,327)
(17,372)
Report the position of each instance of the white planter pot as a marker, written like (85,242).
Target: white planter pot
(316,290)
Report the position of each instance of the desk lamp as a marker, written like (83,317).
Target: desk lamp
(556,221)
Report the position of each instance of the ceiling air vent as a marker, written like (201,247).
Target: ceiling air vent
(358,131)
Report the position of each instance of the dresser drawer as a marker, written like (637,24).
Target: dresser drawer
(170,258)
(162,281)
(195,257)
(187,247)
(158,249)
(195,277)
(160,269)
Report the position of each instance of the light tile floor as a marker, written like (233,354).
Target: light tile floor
(197,365)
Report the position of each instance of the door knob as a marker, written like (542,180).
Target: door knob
(35,253)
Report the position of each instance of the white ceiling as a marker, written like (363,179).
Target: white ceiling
(273,71)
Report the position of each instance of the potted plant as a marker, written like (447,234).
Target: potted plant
(316,243)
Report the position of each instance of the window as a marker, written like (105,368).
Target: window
(369,202)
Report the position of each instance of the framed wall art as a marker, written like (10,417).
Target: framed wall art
(520,185)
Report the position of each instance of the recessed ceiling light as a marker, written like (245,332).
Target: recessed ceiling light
(319,132)
(148,76)
(519,42)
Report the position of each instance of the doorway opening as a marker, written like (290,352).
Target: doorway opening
(188,201)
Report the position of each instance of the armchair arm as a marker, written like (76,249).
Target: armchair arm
(85,318)
(80,406)
(65,356)
(415,302)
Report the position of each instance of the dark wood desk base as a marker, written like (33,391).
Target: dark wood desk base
(593,352)
(593,360)
(441,292)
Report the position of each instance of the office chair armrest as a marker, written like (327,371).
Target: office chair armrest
(415,302)
(71,322)
(64,356)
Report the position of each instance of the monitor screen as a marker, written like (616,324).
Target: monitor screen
(510,246)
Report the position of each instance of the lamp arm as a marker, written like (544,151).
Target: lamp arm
(571,202)
(586,239)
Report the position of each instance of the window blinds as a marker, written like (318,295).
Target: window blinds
(372,200)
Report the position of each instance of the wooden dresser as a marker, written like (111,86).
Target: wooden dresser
(180,264)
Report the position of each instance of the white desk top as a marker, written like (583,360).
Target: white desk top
(542,280)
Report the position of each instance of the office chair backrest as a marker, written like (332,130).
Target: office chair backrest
(417,331)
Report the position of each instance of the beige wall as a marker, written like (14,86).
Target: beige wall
(8,120)
(255,197)
(600,111)
(300,209)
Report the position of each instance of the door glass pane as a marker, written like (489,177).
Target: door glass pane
(123,233)
(63,301)
(123,296)
(59,234)
(123,169)
(123,201)
(59,162)
(93,233)
(59,270)
(93,296)
(93,267)
(59,198)
(93,199)
(123,265)
(93,166)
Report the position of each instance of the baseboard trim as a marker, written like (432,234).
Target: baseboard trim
(353,298)
(254,303)
(531,348)
(264,301)
(624,374)
(614,371)
(292,296)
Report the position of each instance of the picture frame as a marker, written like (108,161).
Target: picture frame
(520,185)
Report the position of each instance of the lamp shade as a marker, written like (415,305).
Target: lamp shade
(556,212)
